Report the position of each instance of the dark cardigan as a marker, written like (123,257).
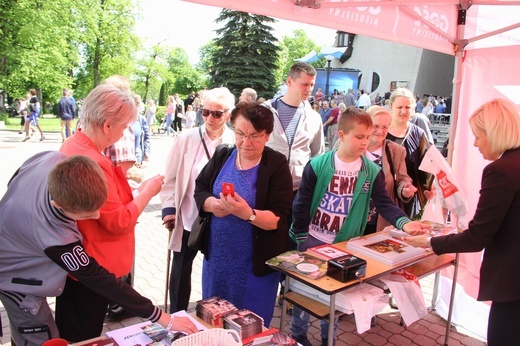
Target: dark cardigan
(273,192)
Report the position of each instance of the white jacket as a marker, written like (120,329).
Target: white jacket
(179,164)
(308,139)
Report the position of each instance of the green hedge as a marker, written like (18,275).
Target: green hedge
(159,114)
(47,124)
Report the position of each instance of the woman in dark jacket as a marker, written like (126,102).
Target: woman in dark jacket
(249,226)
(496,127)
(403,132)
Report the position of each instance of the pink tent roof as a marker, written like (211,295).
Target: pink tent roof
(426,24)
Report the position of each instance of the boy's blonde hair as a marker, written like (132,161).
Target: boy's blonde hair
(77,184)
(499,120)
(351,117)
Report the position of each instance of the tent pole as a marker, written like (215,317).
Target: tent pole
(459,46)
(455,104)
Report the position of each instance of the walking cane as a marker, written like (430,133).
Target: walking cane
(168,259)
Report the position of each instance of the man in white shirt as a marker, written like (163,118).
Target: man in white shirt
(364,101)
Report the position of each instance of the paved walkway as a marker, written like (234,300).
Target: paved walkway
(150,272)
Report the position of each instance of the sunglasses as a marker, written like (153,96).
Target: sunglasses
(216,114)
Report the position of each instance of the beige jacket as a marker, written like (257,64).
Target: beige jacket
(398,154)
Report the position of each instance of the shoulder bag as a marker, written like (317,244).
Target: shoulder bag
(199,233)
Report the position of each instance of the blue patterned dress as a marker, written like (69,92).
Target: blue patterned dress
(228,272)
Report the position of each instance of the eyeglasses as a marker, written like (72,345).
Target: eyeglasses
(216,114)
(255,137)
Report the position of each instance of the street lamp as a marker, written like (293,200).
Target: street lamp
(328,69)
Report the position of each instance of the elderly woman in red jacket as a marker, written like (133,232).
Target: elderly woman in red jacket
(107,112)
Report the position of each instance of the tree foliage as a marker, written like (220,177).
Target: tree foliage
(151,71)
(54,44)
(182,77)
(245,54)
(38,46)
(293,47)
(206,54)
(110,45)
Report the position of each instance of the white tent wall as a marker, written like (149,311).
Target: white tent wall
(486,74)
(444,26)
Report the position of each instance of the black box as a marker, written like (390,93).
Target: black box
(346,268)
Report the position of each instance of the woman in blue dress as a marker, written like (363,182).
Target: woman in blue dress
(250,226)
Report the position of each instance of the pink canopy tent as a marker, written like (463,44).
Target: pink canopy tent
(483,35)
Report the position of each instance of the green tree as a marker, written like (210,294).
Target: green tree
(150,71)
(245,54)
(206,54)
(292,47)
(184,78)
(163,95)
(39,45)
(109,43)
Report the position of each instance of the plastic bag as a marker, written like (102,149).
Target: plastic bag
(433,162)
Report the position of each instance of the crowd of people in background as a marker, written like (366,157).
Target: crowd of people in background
(281,155)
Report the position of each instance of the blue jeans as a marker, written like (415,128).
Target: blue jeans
(169,120)
(300,318)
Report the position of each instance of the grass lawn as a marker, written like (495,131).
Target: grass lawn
(48,123)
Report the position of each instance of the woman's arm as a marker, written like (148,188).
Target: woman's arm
(204,183)
(172,164)
(405,188)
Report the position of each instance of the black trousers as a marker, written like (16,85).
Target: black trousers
(503,324)
(80,312)
(180,276)
(177,124)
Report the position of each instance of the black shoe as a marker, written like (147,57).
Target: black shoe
(117,313)
(302,339)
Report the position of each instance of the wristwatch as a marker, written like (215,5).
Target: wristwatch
(252,217)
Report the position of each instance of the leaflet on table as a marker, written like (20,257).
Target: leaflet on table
(148,333)
(438,229)
(385,249)
(301,263)
(327,250)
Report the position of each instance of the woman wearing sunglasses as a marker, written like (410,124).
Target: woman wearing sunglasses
(249,225)
(189,153)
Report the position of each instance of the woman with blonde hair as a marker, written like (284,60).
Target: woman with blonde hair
(170,114)
(414,140)
(494,228)
(391,158)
